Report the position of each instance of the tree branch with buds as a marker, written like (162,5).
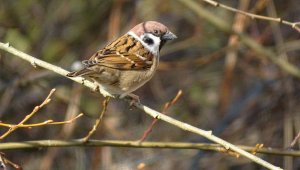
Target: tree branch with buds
(28,116)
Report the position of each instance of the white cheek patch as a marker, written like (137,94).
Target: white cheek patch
(153,48)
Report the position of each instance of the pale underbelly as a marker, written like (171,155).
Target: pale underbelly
(128,82)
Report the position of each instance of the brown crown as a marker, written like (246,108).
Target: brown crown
(149,26)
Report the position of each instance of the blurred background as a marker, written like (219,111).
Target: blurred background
(228,86)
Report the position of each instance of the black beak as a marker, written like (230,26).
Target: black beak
(168,36)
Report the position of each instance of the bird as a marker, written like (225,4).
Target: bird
(128,62)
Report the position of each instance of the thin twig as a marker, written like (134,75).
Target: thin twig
(149,111)
(13,127)
(5,161)
(294,25)
(165,108)
(2,161)
(295,140)
(98,120)
(48,160)
(47,122)
(67,121)
(27,117)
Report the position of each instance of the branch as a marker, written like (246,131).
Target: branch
(135,144)
(207,134)
(27,117)
(165,108)
(294,25)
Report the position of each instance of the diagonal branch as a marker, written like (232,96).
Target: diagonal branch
(207,134)
(165,108)
(294,25)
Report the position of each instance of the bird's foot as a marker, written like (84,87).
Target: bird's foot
(133,100)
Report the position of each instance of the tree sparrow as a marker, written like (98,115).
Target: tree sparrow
(128,62)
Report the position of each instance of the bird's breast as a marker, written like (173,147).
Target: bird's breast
(133,79)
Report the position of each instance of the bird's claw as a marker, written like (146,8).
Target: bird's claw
(133,100)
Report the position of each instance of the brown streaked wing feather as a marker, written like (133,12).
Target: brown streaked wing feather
(128,61)
(125,53)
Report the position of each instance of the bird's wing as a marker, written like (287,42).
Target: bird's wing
(125,53)
(120,60)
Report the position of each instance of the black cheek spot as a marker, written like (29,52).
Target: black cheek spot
(148,40)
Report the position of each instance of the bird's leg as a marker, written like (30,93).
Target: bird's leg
(135,98)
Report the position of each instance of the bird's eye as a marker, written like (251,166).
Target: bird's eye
(148,40)
(156,32)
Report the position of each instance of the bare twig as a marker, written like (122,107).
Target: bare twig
(27,117)
(47,122)
(13,127)
(5,161)
(67,121)
(295,140)
(165,108)
(98,120)
(2,161)
(256,148)
(149,111)
(294,25)
(47,161)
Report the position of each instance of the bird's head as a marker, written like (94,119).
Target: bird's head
(152,34)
